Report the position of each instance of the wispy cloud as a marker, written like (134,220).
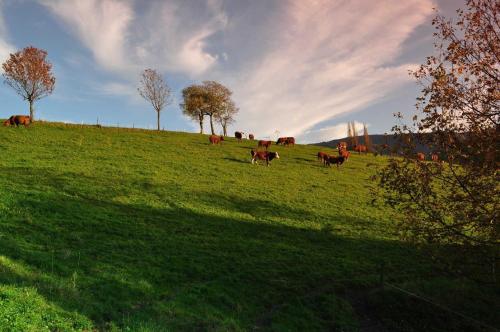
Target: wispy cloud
(309,61)
(5,47)
(170,36)
(329,58)
(328,133)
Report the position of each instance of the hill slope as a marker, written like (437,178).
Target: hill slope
(138,230)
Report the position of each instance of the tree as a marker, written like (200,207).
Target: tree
(366,137)
(350,135)
(226,116)
(153,89)
(457,202)
(217,97)
(354,133)
(194,97)
(30,74)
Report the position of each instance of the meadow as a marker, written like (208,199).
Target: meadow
(135,230)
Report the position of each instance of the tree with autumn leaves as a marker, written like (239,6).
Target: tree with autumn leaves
(456,202)
(29,73)
(210,99)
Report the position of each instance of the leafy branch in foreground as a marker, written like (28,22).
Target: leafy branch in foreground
(455,202)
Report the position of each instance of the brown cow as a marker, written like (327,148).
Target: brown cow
(18,120)
(281,140)
(420,156)
(344,153)
(264,155)
(290,141)
(238,135)
(264,144)
(342,146)
(360,148)
(334,160)
(214,139)
(251,137)
(434,157)
(322,155)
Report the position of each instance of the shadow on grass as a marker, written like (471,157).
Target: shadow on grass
(184,269)
(238,160)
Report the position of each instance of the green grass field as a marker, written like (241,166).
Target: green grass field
(134,230)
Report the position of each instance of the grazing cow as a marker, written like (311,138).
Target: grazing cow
(214,139)
(420,156)
(290,141)
(18,120)
(322,155)
(360,148)
(344,153)
(251,137)
(238,135)
(264,144)
(434,157)
(264,155)
(281,140)
(334,160)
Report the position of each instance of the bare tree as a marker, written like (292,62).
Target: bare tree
(153,89)
(367,140)
(353,138)
(457,202)
(194,103)
(226,116)
(30,74)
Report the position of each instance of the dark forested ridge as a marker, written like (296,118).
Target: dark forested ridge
(376,140)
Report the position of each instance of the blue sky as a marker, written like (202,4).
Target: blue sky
(297,67)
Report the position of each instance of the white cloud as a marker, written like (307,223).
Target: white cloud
(169,36)
(314,60)
(329,133)
(5,47)
(329,58)
(101,25)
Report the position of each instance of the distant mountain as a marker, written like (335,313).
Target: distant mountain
(377,140)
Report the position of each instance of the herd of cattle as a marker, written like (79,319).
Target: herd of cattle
(262,152)
(267,156)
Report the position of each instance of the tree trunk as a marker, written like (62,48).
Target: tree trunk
(200,118)
(158,113)
(212,125)
(224,128)
(32,111)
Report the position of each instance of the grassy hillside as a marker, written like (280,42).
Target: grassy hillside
(141,231)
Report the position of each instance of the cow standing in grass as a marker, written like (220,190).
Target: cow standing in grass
(360,148)
(345,154)
(334,160)
(251,137)
(322,155)
(290,141)
(281,141)
(264,155)
(17,120)
(264,144)
(238,135)
(342,146)
(214,139)
(420,156)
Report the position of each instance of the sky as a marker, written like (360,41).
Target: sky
(300,68)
